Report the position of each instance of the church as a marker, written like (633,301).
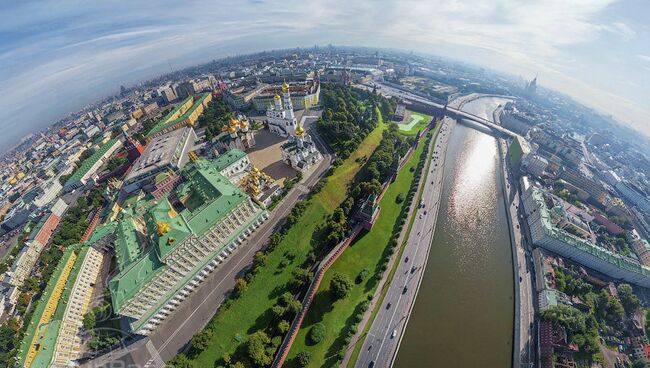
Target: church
(299,151)
(280,116)
(235,135)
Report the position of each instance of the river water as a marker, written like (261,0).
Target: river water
(463,315)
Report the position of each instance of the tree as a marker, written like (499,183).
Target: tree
(340,286)
(316,333)
(629,301)
(238,365)
(180,361)
(201,340)
(278,311)
(89,321)
(241,286)
(294,306)
(256,347)
(303,358)
(283,326)
(301,276)
(363,275)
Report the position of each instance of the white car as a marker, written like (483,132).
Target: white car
(393,334)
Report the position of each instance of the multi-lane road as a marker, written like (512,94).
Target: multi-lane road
(382,341)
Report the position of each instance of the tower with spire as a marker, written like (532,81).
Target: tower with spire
(280,116)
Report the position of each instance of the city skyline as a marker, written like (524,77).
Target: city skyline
(67,56)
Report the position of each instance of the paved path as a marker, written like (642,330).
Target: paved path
(193,315)
(382,341)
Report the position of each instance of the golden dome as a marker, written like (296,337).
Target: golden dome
(277,97)
(243,123)
(234,122)
(163,228)
(232,129)
(285,87)
(300,130)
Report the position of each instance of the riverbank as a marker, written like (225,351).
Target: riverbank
(466,297)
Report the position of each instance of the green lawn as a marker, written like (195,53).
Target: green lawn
(250,312)
(417,123)
(366,252)
(359,345)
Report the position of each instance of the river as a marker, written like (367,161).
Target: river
(463,315)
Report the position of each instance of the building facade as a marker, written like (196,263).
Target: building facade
(544,233)
(280,117)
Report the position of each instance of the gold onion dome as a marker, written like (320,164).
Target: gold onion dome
(234,122)
(300,130)
(285,87)
(232,129)
(277,97)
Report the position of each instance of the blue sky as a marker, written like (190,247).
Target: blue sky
(56,56)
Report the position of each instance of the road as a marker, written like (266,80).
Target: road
(522,259)
(382,342)
(193,315)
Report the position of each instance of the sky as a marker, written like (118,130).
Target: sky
(57,56)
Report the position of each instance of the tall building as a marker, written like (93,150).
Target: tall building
(531,87)
(166,250)
(280,116)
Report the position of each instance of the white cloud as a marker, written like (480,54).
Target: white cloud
(64,49)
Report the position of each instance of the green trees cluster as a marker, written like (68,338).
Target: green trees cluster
(383,163)
(629,301)
(316,333)
(215,116)
(340,286)
(349,115)
(10,335)
(581,328)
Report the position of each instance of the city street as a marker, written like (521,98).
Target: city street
(172,336)
(382,342)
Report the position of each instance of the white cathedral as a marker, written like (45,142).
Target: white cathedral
(280,116)
(299,151)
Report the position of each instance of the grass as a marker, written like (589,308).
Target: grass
(251,312)
(393,270)
(405,129)
(366,252)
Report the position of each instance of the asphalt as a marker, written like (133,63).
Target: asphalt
(524,324)
(193,315)
(382,341)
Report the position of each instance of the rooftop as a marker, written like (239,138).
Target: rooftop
(90,161)
(183,109)
(161,151)
(142,243)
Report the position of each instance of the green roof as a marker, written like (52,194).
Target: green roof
(169,121)
(581,244)
(90,161)
(228,158)
(208,197)
(49,332)
(101,231)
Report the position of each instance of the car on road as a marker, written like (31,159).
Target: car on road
(406,259)
(388,306)
(392,336)
(413,269)
(405,290)
(372,364)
